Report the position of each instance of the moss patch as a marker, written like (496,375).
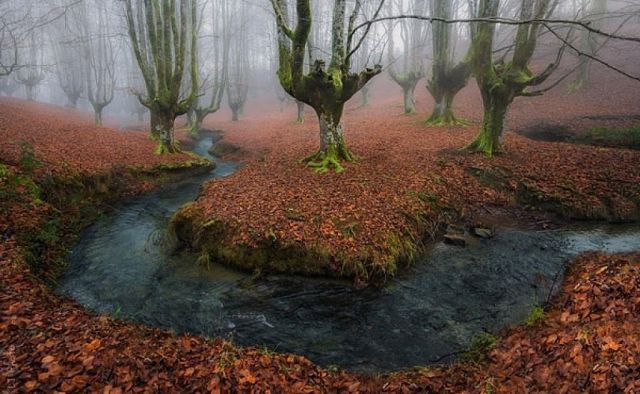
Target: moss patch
(625,137)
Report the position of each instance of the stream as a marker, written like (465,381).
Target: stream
(428,314)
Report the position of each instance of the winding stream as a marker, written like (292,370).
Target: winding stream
(426,315)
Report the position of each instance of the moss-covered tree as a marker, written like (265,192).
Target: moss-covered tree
(501,81)
(163,34)
(325,88)
(447,76)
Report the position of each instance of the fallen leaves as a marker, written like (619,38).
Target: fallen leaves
(589,342)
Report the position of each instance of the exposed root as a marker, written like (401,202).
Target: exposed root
(448,120)
(485,144)
(323,161)
(167,148)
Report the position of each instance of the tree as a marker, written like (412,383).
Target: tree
(8,86)
(594,10)
(409,68)
(215,81)
(99,56)
(69,71)
(8,39)
(325,88)
(447,77)
(32,75)
(500,82)
(162,34)
(238,75)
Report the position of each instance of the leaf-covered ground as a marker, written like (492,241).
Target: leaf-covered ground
(68,142)
(588,341)
(411,178)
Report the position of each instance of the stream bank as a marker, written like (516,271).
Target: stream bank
(428,314)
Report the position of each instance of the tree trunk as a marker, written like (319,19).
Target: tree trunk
(442,114)
(98,116)
(195,122)
(300,112)
(235,114)
(333,149)
(408,91)
(30,92)
(73,101)
(489,140)
(365,96)
(162,131)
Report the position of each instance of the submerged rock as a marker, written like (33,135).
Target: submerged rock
(483,232)
(455,239)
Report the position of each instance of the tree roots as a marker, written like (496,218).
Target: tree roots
(323,161)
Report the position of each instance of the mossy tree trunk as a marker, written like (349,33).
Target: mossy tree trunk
(325,89)
(489,139)
(408,94)
(333,149)
(162,131)
(164,40)
(447,78)
(501,82)
(196,119)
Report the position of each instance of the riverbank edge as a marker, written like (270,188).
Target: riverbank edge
(427,223)
(76,200)
(232,367)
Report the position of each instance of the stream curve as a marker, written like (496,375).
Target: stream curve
(426,315)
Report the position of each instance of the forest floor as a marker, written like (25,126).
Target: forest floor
(587,340)
(409,182)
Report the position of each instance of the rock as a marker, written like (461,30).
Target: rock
(483,232)
(455,239)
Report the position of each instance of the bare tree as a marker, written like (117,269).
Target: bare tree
(8,38)
(239,70)
(69,69)
(594,11)
(408,69)
(32,75)
(213,80)
(99,55)
(325,88)
(162,34)
(8,85)
(447,77)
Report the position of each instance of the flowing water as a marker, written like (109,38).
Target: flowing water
(429,314)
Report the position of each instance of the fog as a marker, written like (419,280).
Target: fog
(79,53)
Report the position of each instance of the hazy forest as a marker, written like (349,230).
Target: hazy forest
(301,196)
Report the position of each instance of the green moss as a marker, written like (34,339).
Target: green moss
(479,347)
(536,317)
(628,137)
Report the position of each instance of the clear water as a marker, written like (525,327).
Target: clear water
(427,315)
